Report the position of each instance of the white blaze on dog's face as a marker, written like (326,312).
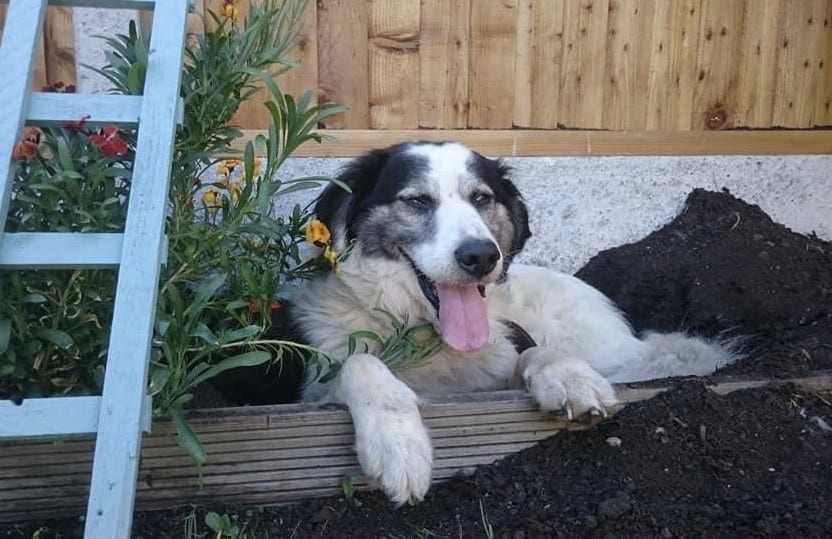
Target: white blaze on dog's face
(451,216)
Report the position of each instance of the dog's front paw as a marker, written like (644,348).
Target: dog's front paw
(566,384)
(394,449)
(393,445)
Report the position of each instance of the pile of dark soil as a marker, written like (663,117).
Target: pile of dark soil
(689,462)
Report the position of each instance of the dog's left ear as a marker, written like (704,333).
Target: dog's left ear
(513,200)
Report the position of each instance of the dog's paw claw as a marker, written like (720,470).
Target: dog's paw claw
(569,385)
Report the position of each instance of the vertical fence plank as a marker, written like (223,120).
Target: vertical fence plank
(537,66)
(393,64)
(629,50)
(493,43)
(304,77)
(582,80)
(802,45)
(670,82)
(342,60)
(758,67)
(717,63)
(823,99)
(445,29)
(59,45)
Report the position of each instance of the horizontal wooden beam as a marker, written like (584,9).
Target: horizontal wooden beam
(540,143)
(56,416)
(285,453)
(63,250)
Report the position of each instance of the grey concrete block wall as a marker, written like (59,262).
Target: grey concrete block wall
(582,205)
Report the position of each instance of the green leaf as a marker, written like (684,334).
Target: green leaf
(33,298)
(5,335)
(57,337)
(248,359)
(159,376)
(213,521)
(188,440)
(204,332)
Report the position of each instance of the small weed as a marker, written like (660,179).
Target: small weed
(222,525)
(487,528)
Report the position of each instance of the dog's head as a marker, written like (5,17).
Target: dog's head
(450,214)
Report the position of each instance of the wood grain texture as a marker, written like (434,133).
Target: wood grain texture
(493,45)
(670,82)
(823,100)
(531,143)
(272,454)
(342,61)
(629,40)
(304,77)
(758,69)
(718,56)
(393,63)
(59,45)
(444,45)
(803,49)
(584,62)
(537,67)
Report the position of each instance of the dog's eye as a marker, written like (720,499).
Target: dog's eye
(419,202)
(481,200)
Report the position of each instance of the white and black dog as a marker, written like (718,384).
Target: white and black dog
(434,228)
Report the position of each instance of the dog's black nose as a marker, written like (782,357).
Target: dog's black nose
(477,257)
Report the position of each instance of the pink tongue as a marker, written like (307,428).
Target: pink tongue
(462,317)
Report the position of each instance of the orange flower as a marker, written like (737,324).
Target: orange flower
(230,9)
(211,198)
(317,233)
(27,148)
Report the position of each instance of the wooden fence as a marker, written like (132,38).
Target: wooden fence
(585,64)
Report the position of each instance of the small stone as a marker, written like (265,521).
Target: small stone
(763,255)
(758,237)
(590,522)
(613,441)
(614,508)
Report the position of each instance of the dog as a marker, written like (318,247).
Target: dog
(432,230)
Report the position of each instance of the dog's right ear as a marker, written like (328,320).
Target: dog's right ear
(340,209)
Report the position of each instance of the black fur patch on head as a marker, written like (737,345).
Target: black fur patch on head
(496,175)
(374,179)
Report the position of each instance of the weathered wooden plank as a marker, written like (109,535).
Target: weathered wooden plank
(445,30)
(584,53)
(492,51)
(530,143)
(393,63)
(629,48)
(276,473)
(717,64)
(22,32)
(823,99)
(537,67)
(803,46)
(342,61)
(110,507)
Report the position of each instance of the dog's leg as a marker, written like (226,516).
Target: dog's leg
(564,383)
(392,443)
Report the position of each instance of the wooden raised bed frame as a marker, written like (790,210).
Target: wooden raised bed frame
(283,453)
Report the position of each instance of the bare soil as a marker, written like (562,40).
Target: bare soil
(689,462)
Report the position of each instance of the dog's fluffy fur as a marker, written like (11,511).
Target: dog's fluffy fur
(414,211)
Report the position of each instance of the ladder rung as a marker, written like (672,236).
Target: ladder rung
(48,109)
(57,416)
(53,109)
(63,250)
(104,4)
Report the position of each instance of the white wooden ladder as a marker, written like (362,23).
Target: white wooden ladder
(119,415)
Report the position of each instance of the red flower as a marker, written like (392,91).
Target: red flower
(109,142)
(77,125)
(59,87)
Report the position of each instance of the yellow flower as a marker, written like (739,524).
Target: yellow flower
(331,256)
(236,189)
(230,10)
(211,197)
(223,180)
(317,233)
(222,170)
